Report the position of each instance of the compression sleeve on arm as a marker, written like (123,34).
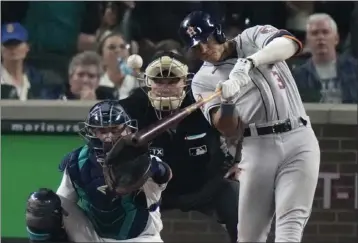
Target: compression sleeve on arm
(279,49)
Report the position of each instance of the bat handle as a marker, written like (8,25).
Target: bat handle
(203,101)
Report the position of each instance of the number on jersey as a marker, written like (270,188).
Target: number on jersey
(280,82)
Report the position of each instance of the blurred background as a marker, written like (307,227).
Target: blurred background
(77,51)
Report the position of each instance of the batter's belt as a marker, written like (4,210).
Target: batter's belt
(278,127)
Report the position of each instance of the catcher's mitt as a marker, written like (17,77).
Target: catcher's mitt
(126,167)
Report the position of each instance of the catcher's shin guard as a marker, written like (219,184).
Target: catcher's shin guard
(44,217)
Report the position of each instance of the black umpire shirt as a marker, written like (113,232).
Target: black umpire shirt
(192,149)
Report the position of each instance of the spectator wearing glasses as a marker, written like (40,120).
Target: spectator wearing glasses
(18,80)
(326,77)
(115,51)
(84,71)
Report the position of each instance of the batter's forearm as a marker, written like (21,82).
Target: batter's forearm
(278,50)
(225,119)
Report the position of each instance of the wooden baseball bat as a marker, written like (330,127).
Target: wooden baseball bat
(147,134)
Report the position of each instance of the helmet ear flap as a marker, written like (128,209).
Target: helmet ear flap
(219,34)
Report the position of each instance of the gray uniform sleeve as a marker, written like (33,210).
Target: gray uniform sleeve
(203,87)
(261,35)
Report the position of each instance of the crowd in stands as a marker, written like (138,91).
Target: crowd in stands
(78,50)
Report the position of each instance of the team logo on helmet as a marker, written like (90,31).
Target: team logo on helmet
(10,28)
(191,31)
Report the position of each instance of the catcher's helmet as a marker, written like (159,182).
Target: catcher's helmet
(197,27)
(108,114)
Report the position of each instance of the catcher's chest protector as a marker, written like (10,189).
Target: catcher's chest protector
(109,214)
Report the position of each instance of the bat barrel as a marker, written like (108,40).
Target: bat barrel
(146,135)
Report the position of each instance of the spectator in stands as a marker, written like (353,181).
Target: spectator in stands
(326,77)
(114,51)
(117,17)
(57,30)
(62,27)
(85,71)
(18,80)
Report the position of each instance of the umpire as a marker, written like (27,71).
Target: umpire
(193,149)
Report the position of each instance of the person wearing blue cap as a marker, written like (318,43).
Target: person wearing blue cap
(20,81)
(13,32)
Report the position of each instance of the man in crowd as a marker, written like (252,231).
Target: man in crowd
(326,77)
(85,71)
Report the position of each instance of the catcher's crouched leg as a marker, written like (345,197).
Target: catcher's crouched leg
(226,203)
(80,229)
(77,225)
(44,217)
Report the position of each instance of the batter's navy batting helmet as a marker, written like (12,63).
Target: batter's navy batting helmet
(197,27)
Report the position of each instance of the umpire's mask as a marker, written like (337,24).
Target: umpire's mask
(106,122)
(166,77)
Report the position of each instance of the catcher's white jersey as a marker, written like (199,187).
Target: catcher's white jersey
(272,95)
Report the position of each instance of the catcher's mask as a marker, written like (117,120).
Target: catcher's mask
(127,168)
(166,78)
(106,122)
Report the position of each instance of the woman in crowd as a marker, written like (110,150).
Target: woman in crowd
(114,51)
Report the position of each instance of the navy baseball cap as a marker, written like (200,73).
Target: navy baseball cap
(13,31)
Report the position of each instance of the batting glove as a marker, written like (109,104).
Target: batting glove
(241,70)
(238,78)
(229,88)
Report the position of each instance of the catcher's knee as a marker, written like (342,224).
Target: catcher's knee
(44,216)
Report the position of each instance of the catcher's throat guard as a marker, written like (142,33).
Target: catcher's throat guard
(127,167)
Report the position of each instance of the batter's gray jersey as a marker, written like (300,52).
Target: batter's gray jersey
(272,95)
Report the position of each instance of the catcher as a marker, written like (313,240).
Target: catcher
(193,149)
(110,191)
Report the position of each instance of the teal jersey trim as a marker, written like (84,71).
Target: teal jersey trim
(130,214)
(82,157)
(122,216)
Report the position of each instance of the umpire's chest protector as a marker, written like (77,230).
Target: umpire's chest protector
(108,213)
(192,149)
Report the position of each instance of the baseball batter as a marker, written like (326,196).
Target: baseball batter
(280,152)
